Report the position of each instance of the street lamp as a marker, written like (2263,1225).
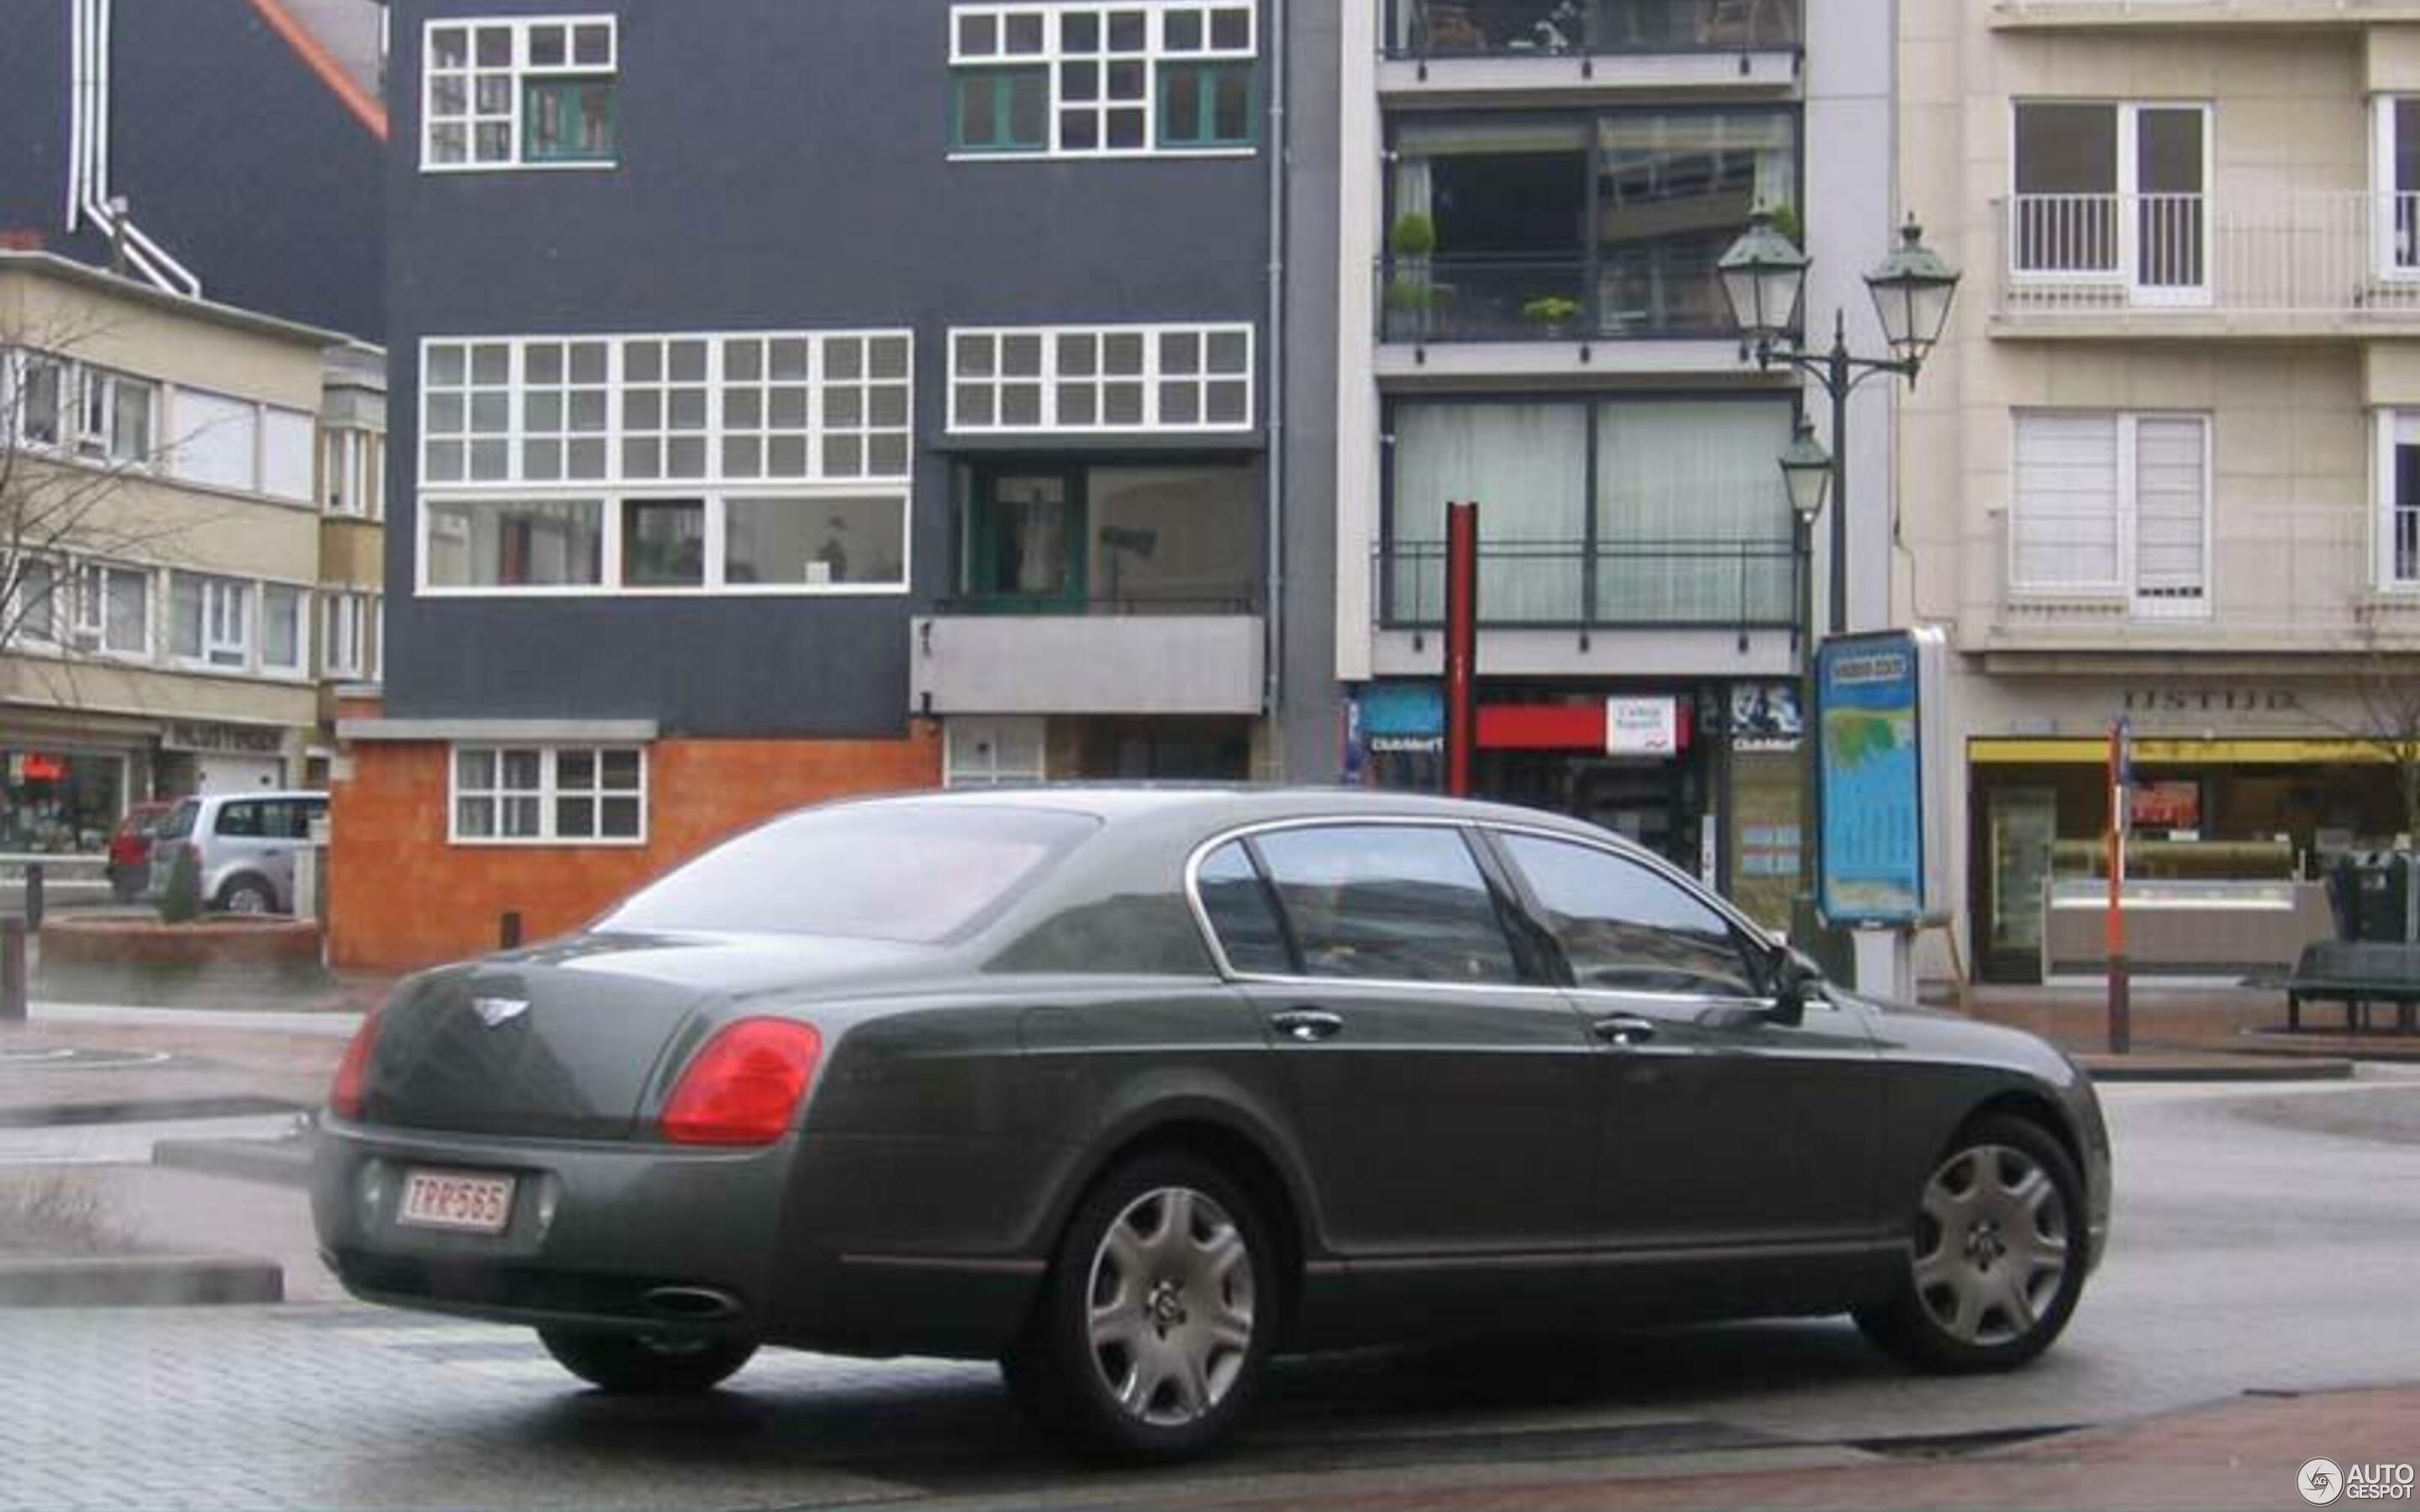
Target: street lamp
(1764,278)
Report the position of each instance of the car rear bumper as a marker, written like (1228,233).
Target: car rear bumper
(628,1236)
(655,1238)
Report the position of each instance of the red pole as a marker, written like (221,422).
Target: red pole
(1461,644)
(2121,1026)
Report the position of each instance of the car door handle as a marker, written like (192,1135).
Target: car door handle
(1306,1024)
(1625,1030)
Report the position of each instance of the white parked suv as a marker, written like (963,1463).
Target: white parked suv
(244,845)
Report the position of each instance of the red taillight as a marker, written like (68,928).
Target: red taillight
(353,1072)
(744,1087)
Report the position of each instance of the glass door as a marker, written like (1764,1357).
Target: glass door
(2171,164)
(2023,822)
(1025,541)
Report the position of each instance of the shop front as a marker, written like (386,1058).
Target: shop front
(2239,798)
(1704,774)
(64,780)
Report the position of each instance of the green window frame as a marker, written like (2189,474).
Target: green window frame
(1190,94)
(564,94)
(983,111)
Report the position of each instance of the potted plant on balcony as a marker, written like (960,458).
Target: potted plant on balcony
(1552,314)
(1411,291)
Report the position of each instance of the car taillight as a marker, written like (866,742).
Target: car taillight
(353,1072)
(744,1087)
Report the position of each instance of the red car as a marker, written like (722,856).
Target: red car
(130,850)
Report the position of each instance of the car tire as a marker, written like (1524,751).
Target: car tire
(1997,1256)
(641,1364)
(1154,1326)
(246,895)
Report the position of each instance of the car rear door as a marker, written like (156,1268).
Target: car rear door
(1719,1124)
(1443,1094)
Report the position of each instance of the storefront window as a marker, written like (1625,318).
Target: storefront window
(60,801)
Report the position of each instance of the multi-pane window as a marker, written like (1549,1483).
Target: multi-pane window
(91,608)
(1102,378)
(114,419)
(992,752)
(347,648)
(2112,503)
(2398,499)
(284,633)
(766,461)
(504,94)
(1097,80)
(542,795)
(352,467)
(210,619)
(2107,189)
(2394,158)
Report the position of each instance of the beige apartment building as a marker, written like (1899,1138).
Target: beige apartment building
(2166,466)
(189,526)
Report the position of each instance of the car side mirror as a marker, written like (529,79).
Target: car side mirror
(1795,979)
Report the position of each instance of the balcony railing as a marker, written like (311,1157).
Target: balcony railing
(1568,28)
(1668,291)
(1236,598)
(1556,584)
(2314,253)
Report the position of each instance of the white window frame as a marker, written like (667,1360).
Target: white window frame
(344,644)
(2128,268)
(15,363)
(91,598)
(840,457)
(962,734)
(1157,341)
(546,793)
(2395,259)
(520,72)
(2389,426)
(2127,584)
(300,668)
(352,463)
(1052,57)
(104,446)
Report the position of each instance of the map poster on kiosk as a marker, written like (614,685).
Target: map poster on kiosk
(1881,727)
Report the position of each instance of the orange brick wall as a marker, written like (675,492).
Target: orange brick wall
(400,898)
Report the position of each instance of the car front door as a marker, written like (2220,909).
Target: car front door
(1443,1092)
(1721,1123)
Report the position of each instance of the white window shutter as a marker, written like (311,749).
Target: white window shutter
(2171,502)
(2064,530)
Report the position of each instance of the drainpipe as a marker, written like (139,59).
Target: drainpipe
(1273,641)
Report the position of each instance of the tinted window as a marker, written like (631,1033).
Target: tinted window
(887,871)
(1389,901)
(1241,914)
(179,822)
(240,819)
(1625,929)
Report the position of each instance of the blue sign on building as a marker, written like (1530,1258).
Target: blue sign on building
(1873,857)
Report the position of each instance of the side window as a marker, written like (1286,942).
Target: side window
(242,819)
(1241,914)
(1625,929)
(1402,903)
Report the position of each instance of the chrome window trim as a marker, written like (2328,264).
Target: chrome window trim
(1610,845)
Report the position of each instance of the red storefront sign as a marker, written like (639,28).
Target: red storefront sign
(1563,726)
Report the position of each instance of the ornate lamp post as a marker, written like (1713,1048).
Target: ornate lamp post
(1764,279)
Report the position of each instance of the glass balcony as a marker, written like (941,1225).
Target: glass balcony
(1565,28)
(1666,291)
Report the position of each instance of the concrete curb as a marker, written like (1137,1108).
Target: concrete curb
(142,1110)
(273,1162)
(2156,1067)
(140,1281)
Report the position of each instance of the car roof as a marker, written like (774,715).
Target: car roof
(1223,803)
(246,797)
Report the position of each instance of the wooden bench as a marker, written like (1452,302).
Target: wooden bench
(2357,974)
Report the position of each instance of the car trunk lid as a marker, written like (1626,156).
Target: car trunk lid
(562,1040)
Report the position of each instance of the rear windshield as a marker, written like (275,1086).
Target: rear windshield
(888,871)
(178,821)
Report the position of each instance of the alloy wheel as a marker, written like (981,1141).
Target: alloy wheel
(1169,1307)
(1992,1245)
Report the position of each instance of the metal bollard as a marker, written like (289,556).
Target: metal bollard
(12,970)
(33,895)
(508,930)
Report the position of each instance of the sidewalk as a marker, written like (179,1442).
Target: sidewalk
(2181,1025)
(2243,1453)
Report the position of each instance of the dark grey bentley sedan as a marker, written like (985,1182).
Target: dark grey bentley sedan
(1132,1089)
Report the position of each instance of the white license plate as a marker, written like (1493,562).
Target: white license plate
(456,1199)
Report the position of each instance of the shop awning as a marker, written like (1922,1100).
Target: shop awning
(2094,751)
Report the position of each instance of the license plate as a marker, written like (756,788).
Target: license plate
(456,1199)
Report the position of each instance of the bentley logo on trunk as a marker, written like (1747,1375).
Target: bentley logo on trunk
(495,1010)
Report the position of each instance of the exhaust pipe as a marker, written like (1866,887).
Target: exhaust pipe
(691,1304)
